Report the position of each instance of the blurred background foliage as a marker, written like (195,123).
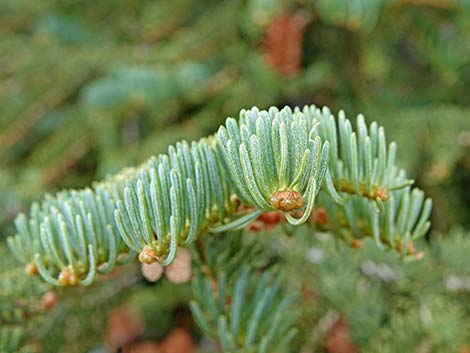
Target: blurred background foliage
(89,87)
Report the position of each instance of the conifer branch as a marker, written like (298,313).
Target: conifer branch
(268,160)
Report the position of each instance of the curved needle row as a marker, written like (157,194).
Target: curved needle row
(361,163)
(403,220)
(71,237)
(275,159)
(171,201)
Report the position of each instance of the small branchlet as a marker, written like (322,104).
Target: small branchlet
(31,269)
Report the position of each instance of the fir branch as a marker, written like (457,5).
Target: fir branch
(268,160)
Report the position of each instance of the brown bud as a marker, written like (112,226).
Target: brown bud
(287,200)
(320,216)
(148,255)
(382,194)
(49,300)
(31,269)
(356,244)
(64,277)
(67,277)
